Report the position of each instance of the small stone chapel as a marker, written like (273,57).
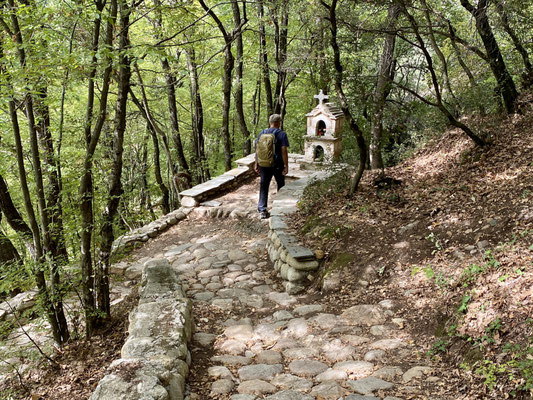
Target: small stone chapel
(323,141)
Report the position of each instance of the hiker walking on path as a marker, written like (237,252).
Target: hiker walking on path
(271,160)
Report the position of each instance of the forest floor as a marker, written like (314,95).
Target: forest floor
(449,243)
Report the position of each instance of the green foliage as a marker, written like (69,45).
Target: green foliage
(434,239)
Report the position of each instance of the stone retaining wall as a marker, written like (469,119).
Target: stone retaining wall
(295,263)
(222,183)
(155,359)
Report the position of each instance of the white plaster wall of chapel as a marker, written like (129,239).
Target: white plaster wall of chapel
(312,126)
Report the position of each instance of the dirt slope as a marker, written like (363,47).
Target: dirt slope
(453,244)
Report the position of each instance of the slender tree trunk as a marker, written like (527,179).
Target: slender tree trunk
(8,252)
(451,118)
(170,79)
(344,101)
(155,130)
(15,220)
(528,72)
(146,199)
(496,62)
(229,63)
(385,76)
(463,65)
(165,194)
(115,184)
(57,249)
(264,58)
(439,53)
(281,33)
(56,304)
(92,137)
(238,22)
(200,160)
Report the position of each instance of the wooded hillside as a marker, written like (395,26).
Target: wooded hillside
(110,108)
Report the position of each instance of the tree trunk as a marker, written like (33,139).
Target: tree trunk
(165,194)
(527,77)
(281,32)
(115,184)
(155,130)
(229,63)
(92,137)
(463,65)
(344,101)
(202,168)
(439,53)
(247,144)
(15,220)
(8,252)
(146,198)
(170,79)
(385,76)
(264,58)
(451,118)
(497,65)
(56,304)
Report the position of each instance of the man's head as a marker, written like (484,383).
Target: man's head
(275,121)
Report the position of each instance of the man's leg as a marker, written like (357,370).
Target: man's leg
(266,177)
(280,178)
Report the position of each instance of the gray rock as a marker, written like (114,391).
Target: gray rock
(289,395)
(307,368)
(243,397)
(331,375)
(416,372)
(234,347)
(355,368)
(282,315)
(388,373)
(387,344)
(300,353)
(328,391)
(204,339)
(288,381)
(297,328)
(204,296)
(308,309)
(365,314)
(232,361)
(253,300)
(259,371)
(283,299)
(269,357)
(360,397)
(374,355)
(368,385)
(256,387)
(354,340)
(240,332)
(223,386)
(219,372)
(225,304)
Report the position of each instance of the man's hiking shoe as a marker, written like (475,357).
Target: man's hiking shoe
(263,215)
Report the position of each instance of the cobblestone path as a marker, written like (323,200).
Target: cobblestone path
(254,341)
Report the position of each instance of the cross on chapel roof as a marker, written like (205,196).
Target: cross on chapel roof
(321,97)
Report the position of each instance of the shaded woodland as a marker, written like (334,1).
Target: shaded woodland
(105,103)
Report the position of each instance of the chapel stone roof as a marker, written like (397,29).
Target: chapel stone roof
(330,109)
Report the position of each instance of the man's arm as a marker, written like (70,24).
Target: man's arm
(285,156)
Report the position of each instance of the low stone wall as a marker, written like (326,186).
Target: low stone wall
(295,263)
(222,183)
(155,359)
(151,230)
